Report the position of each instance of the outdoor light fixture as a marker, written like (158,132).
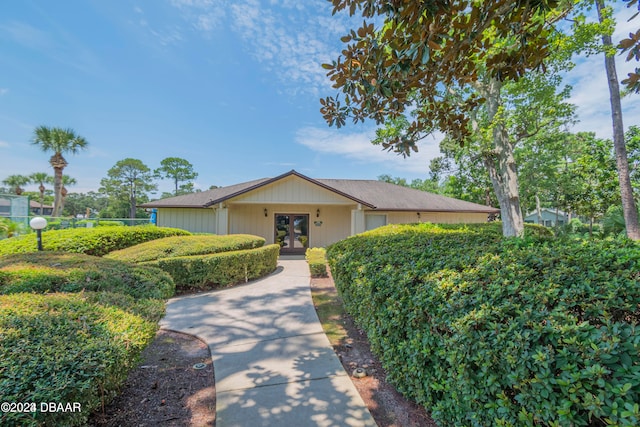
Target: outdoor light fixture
(317,213)
(266,212)
(38,223)
(418,215)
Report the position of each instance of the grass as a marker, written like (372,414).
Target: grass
(330,312)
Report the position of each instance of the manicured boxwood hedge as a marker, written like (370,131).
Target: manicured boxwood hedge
(69,348)
(317,260)
(176,246)
(43,272)
(486,331)
(214,271)
(90,241)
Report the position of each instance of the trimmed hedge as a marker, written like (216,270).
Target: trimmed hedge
(203,272)
(176,246)
(485,331)
(90,241)
(317,260)
(69,348)
(43,272)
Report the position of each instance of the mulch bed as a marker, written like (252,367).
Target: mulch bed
(166,389)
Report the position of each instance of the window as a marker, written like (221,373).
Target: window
(374,221)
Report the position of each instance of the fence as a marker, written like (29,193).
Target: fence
(15,208)
(62,223)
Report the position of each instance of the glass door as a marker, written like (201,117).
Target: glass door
(292,233)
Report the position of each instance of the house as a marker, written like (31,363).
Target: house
(15,206)
(34,206)
(550,217)
(299,212)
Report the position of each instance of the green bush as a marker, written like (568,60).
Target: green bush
(43,272)
(176,246)
(90,241)
(213,271)
(317,259)
(69,348)
(485,331)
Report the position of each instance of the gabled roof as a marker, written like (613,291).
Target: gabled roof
(373,194)
(550,210)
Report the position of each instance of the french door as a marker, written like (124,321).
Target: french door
(292,233)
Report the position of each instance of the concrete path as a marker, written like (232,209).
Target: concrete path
(273,364)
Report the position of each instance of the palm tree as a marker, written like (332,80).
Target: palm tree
(58,141)
(40,178)
(66,180)
(16,182)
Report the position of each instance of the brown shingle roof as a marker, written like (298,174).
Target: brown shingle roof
(376,195)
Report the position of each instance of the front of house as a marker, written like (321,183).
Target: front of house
(300,212)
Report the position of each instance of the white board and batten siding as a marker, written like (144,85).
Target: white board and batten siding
(195,220)
(437,217)
(330,226)
(293,190)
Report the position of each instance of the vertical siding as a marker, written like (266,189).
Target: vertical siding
(195,220)
(250,219)
(293,190)
(436,217)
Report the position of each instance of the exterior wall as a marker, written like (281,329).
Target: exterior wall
(335,221)
(295,191)
(250,219)
(548,218)
(196,220)
(436,217)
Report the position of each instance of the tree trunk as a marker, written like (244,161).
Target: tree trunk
(58,163)
(538,210)
(629,209)
(63,196)
(41,188)
(132,201)
(501,165)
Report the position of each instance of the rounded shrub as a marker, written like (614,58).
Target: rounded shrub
(177,246)
(43,272)
(204,272)
(66,348)
(90,241)
(484,330)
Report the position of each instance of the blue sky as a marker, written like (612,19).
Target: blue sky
(230,86)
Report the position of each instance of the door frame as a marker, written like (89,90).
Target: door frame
(290,249)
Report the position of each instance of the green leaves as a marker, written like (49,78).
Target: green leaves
(483,330)
(69,348)
(93,241)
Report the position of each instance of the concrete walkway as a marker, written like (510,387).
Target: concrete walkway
(273,364)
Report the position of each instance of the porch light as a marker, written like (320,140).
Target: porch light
(317,213)
(38,223)
(266,212)
(418,213)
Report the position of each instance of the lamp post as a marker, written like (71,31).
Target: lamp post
(38,223)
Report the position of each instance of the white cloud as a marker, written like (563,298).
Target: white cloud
(3,91)
(4,144)
(290,38)
(358,147)
(292,41)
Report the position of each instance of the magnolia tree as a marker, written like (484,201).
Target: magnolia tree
(442,60)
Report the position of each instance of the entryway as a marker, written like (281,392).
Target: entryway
(292,233)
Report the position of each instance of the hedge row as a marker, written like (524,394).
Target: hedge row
(90,241)
(177,246)
(485,331)
(43,272)
(213,271)
(317,260)
(69,348)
